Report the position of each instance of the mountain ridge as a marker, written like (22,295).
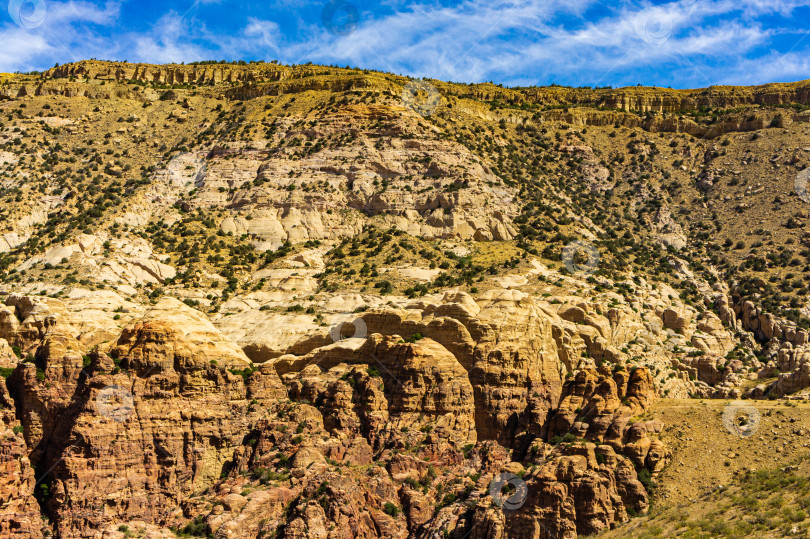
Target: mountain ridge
(629,99)
(348,300)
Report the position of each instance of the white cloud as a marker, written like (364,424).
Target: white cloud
(517,42)
(774,67)
(684,42)
(260,34)
(79,11)
(26,49)
(19,47)
(167,41)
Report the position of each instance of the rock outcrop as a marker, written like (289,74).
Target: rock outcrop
(266,300)
(19,510)
(172,426)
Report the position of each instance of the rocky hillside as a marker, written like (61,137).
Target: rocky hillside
(757,487)
(256,300)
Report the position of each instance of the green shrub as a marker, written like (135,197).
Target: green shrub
(391,509)
(195,528)
(411,482)
(265,476)
(448,499)
(244,373)
(373,371)
(645,478)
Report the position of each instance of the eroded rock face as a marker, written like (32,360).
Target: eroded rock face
(171,335)
(572,495)
(577,485)
(259,421)
(596,406)
(507,348)
(131,438)
(19,510)
(384,434)
(585,479)
(455,196)
(414,386)
(134,262)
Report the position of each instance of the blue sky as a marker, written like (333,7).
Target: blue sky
(682,44)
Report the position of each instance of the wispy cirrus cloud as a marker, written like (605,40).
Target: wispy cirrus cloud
(517,42)
(680,43)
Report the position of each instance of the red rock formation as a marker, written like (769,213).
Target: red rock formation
(382,436)
(19,510)
(125,444)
